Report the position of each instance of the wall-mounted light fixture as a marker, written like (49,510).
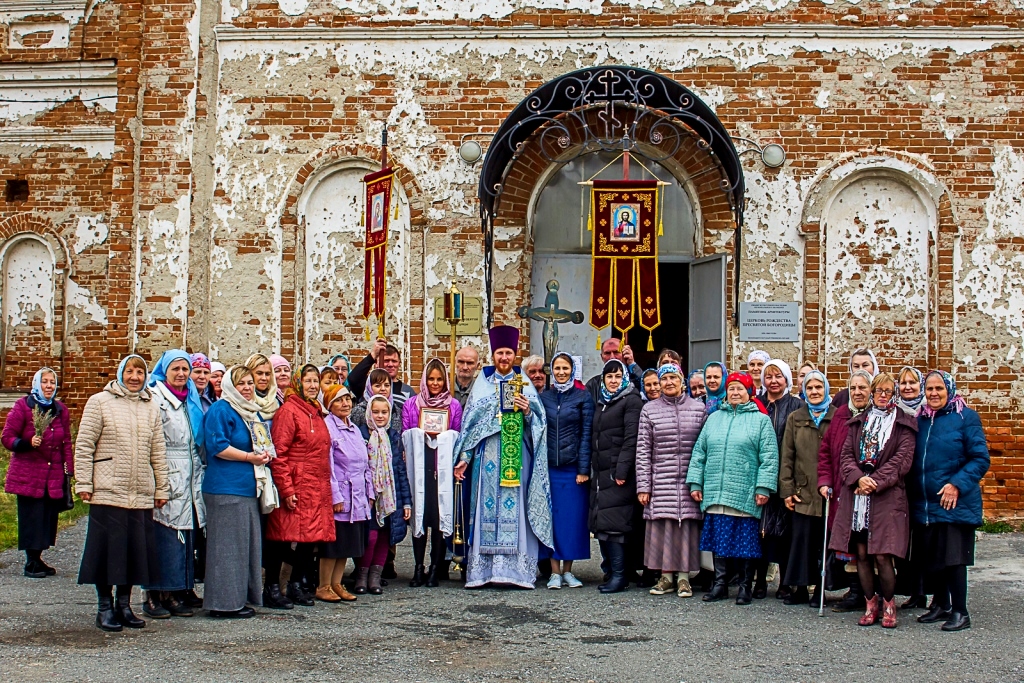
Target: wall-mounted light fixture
(773,155)
(470,150)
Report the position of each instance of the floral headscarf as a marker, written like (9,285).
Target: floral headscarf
(296,385)
(609,367)
(444,398)
(954,401)
(911,405)
(378,447)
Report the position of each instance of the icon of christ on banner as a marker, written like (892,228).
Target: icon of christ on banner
(626,217)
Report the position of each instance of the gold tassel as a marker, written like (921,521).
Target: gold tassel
(380,329)
(394,216)
(590,213)
(366,327)
(661,226)
(650,340)
(661,214)
(598,346)
(362,219)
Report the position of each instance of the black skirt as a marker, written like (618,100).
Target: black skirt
(803,567)
(937,546)
(37,522)
(431,516)
(118,547)
(349,541)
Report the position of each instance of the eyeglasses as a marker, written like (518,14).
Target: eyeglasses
(885,392)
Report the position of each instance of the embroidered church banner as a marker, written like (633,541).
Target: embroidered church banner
(624,255)
(376,219)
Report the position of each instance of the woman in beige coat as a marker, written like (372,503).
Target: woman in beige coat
(121,471)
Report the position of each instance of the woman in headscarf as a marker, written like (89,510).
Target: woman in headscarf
(570,416)
(733,470)
(342,366)
(910,383)
(650,390)
(282,375)
(873,515)
(798,475)
(378,383)
(302,466)
(715,373)
(613,469)
(183,518)
(829,476)
(776,519)
(122,486)
(695,385)
(945,488)
(232,491)
(266,389)
(38,464)
(201,369)
(392,501)
(429,456)
(217,372)
(860,359)
(755,366)
(668,429)
(352,486)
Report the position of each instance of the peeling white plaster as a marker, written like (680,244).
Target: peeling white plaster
(169,241)
(59,34)
(714,96)
(80,298)
(993,278)
(293,8)
(821,101)
(28,287)
(90,231)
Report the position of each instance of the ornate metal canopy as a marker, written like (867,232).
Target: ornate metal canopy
(605,108)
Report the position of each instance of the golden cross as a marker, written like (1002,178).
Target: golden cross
(517,384)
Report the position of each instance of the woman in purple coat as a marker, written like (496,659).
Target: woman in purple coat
(352,487)
(38,465)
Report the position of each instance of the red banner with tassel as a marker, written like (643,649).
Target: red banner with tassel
(377,220)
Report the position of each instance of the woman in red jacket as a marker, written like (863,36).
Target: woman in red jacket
(302,473)
(38,464)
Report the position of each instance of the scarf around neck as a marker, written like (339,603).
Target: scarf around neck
(378,448)
(246,409)
(715,398)
(571,382)
(607,396)
(877,430)
(911,405)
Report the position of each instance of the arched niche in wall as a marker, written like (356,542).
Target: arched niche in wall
(28,304)
(330,208)
(878,228)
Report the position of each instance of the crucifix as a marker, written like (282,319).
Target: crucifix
(552,315)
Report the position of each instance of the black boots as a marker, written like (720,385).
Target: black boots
(124,609)
(173,602)
(274,598)
(105,617)
(417,576)
(35,568)
(297,595)
(720,588)
(854,600)
(797,596)
(374,579)
(153,606)
(958,621)
(746,591)
(432,580)
(617,562)
(761,581)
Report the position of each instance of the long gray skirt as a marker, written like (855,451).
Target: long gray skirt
(233,555)
(672,546)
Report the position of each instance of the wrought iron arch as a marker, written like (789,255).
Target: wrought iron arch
(559,109)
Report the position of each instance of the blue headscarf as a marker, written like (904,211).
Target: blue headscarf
(558,386)
(606,396)
(124,362)
(715,399)
(192,403)
(347,365)
(689,380)
(817,410)
(37,388)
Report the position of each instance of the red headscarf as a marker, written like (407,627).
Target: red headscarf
(748,382)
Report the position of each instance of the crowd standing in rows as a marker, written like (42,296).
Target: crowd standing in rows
(688,480)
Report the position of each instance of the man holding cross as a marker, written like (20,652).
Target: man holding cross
(504,441)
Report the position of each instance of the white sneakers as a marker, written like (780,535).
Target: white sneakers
(567,579)
(571,581)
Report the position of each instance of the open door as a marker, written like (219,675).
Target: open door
(707,311)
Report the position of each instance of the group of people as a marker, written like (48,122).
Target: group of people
(261,481)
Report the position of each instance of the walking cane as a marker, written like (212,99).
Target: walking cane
(824,555)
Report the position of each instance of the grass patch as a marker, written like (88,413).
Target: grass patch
(9,509)
(994,526)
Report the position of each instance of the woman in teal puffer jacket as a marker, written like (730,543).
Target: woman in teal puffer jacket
(735,466)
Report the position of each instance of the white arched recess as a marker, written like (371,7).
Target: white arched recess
(330,208)
(878,224)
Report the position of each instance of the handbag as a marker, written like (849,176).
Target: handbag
(68,500)
(269,498)
(774,518)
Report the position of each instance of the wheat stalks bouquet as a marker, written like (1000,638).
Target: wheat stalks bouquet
(41,419)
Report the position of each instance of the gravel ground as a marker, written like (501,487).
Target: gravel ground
(450,634)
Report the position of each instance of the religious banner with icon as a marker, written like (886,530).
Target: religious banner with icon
(625,219)
(376,219)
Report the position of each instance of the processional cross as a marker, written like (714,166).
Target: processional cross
(552,316)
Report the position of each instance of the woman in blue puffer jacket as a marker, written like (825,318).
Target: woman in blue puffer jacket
(945,492)
(570,416)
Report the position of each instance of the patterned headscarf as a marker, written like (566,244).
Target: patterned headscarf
(854,409)
(954,401)
(670,369)
(759,354)
(571,382)
(913,404)
(444,398)
(296,385)
(609,367)
(817,410)
(714,399)
(199,360)
(348,365)
(378,447)
(37,387)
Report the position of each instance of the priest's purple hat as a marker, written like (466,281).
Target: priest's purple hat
(503,337)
